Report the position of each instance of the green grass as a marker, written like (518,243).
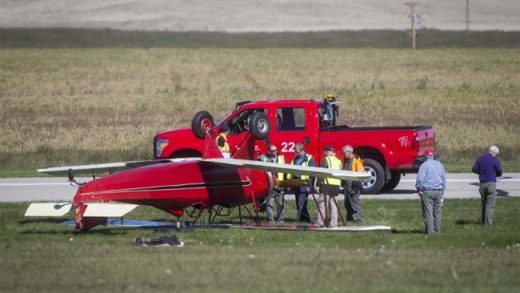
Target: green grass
(40,255)
(79,106)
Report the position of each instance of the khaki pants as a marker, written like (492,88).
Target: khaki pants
(327,206)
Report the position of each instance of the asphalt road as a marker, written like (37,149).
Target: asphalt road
(460,185)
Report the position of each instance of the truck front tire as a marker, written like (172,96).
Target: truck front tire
(377,177)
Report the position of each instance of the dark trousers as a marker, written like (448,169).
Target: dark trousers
(275,197)
(488,195)
(301,205)
(352,203)
(431,206)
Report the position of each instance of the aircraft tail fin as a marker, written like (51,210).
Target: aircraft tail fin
(211,150)
(246,148)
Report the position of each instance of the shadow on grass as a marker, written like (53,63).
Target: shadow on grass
(501,192)
(107,232)
(467,222)
(406,231)
(101,230)
(402,191)
(40,220)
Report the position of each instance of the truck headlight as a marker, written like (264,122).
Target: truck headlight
(160,145)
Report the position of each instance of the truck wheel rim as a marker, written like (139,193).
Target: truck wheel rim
(373,178)
(262,126)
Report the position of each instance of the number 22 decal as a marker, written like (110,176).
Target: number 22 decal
(288,147)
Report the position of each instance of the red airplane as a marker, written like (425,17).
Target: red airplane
(176,185)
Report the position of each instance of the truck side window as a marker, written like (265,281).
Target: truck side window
(290,119)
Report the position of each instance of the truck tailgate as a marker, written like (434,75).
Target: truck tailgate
(424,139)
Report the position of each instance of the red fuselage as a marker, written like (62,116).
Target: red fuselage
(174,186)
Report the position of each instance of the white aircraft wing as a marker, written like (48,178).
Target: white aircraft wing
(96,169)
(292,169)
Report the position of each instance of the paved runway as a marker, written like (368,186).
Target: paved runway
(460,185)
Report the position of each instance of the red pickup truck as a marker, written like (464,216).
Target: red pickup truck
(388,152)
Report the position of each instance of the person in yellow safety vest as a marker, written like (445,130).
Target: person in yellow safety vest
(277,194)
(329,189)
(301,193)
(222,141)
(352,189)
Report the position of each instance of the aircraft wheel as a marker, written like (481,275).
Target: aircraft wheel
(377,177)
(259,125)
(201,122)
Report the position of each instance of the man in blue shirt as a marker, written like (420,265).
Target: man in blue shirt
(431,184)
(488,169)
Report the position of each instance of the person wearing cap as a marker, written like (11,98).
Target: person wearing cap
(222,141)
(488,169)
(431,184)
(352,189)
(327,112)
(302,192)
(329,189)
(276,194)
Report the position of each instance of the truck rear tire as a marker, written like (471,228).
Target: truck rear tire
(259,125)
(200,123)
(377,177)
(393,182)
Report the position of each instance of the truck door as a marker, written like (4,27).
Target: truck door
(291,127)
(238,128)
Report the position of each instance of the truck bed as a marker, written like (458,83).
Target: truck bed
(372,128)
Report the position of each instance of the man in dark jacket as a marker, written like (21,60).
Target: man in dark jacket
(301,193)
(488,169)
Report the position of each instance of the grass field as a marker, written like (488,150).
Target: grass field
(40,255)
(73,106)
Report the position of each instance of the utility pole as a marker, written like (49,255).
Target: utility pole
(414,35)
(467,15)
